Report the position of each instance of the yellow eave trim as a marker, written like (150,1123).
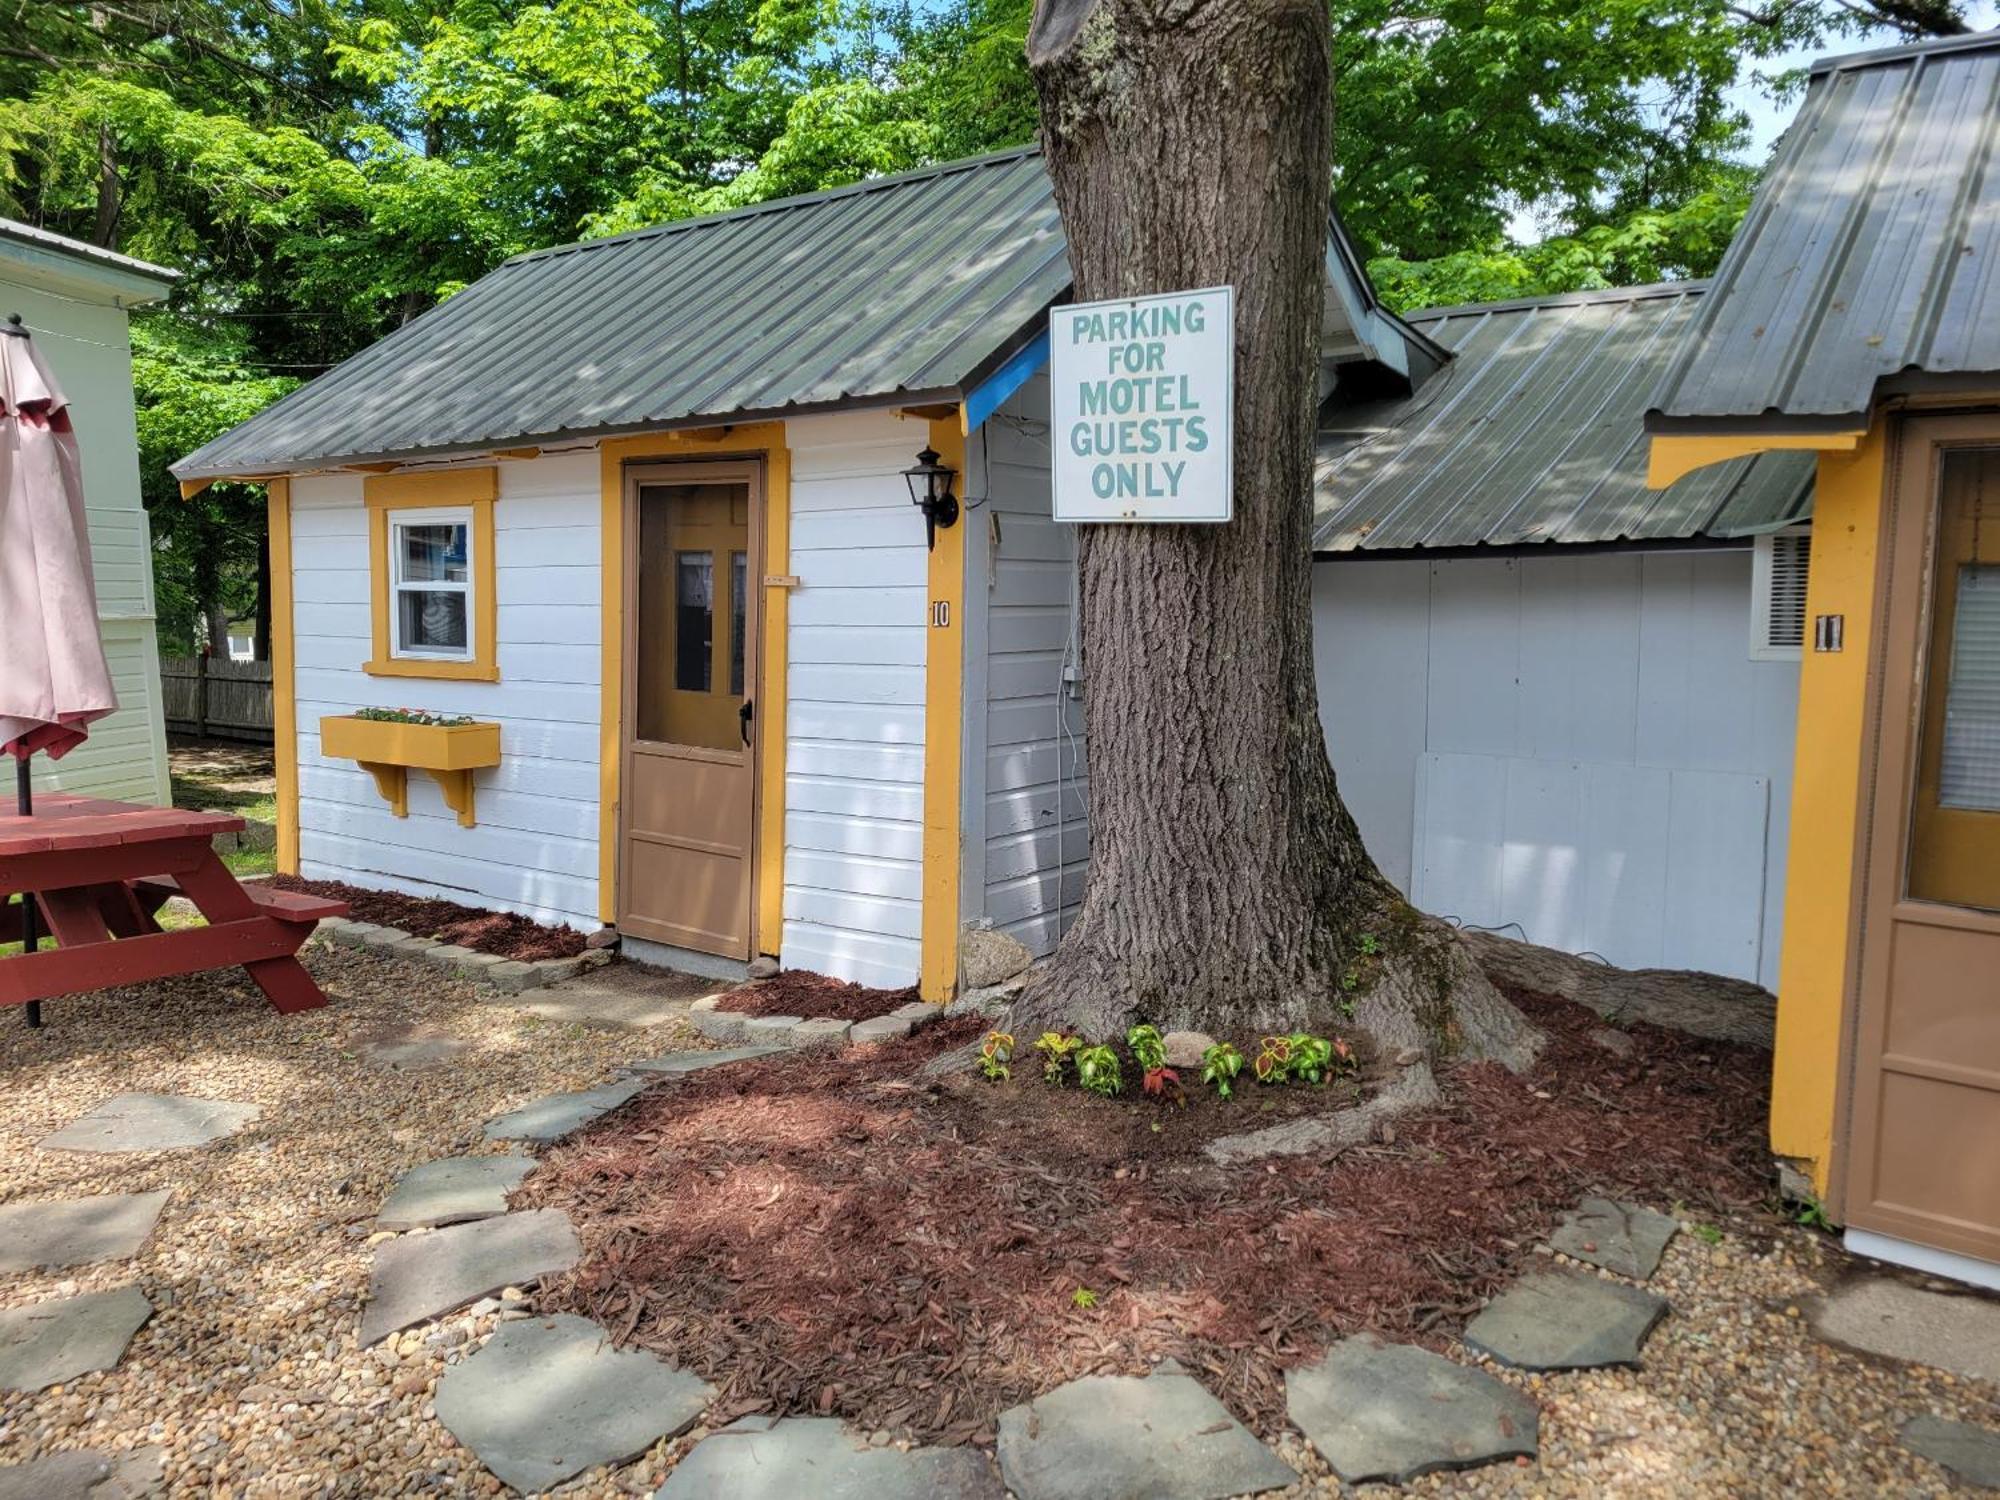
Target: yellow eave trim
(944,729)
(1673,456)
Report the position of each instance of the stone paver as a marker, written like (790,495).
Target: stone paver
(420,1276)
(556,1116)
(762,1458)
(151,1122)
(718,1025)
(696,1062)
(455,1190)
(549,1398)
(1560,1320)
(1972,1453)
(1389,1412)
(408,1047)
(821,1031)
(45,1343)
(1621,1237)
(84,1474)
(771,1028)
(1162,1436)
(77,1231)
(889,1028)
(1885,1316)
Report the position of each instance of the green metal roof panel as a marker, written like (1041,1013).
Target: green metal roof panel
(1533,433)
(1871,251)
(898,286)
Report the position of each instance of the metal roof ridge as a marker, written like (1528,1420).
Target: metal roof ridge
(1841,62)
(779,205)
(1694,286)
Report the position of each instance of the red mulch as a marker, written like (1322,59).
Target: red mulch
(800,992)
(499,932)
(825,1234)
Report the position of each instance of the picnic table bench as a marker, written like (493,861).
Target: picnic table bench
(98,872)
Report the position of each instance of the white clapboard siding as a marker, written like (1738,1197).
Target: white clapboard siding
(1625,665)
(854,719)
(1024,804)
(81,331)
(535,848)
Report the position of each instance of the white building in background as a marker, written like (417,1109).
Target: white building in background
(74,299)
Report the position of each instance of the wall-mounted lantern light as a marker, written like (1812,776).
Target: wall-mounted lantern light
(930,491)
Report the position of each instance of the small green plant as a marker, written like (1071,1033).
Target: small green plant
(1350,981)
(994,1054)
(1058,1051)
(1219,1066)
(1273,1053)
(1303,1058)
(1083,1297)
(1811,1213)
(1097,1070)
(1149,1049)
(1708,1234)
(414,716)
(1370,945)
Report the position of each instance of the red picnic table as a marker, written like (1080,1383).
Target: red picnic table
(99,870)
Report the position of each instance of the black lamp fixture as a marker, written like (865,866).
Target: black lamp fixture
(930,490)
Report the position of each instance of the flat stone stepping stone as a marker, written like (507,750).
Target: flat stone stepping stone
(151,1122)
(423,1275)
(558,1115)
(1623,1238)
(46,1343)
(408,1049)
(456,1190)
(1389,1412)
(696,1062)
(1163,1437)
(1563,1320)
(549,1398)
(1887,1317)
(77,1231)
(85,1474)
(1970,1452)
(766,1458)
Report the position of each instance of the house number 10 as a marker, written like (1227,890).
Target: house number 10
(940,614)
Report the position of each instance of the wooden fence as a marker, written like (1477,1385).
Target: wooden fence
(214,697)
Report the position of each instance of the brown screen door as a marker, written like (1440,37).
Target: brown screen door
(1926,1082)
(689,802)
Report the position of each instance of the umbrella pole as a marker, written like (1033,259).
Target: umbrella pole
(30,935)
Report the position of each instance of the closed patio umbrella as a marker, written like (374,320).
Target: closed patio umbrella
(54,682)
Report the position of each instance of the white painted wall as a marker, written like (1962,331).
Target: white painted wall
(1026,842)
(854,725)
(1545,676)
(534,850)
(81,331)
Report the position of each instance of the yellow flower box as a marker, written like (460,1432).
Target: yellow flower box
(389,750)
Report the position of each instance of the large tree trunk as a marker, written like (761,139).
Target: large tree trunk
(1189,143)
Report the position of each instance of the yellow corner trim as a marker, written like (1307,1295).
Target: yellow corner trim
(284,694)
(944,729)
(475,489)
(192,487)
(765,440)
(1674,456)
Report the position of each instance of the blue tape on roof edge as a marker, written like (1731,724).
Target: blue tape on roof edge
(992,393)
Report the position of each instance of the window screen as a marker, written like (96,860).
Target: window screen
(1969,769)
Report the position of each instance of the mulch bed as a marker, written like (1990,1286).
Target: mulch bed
(498,932)
(828,1234)
(800,992)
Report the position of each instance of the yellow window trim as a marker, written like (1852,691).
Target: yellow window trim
(284,693)
(471,489)
(944,729)
(757,440)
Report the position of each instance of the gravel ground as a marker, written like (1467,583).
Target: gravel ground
(249,1378)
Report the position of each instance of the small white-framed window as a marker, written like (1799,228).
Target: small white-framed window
(431,572)
(1779,570)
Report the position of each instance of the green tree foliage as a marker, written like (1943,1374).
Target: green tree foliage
(323,170)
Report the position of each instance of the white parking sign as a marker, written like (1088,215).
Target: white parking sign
(1141,392)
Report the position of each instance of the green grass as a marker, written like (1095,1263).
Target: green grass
(247,862)
(203,795)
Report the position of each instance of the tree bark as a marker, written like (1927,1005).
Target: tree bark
(1229,891)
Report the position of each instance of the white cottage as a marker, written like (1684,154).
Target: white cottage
(74,299)
(638,509)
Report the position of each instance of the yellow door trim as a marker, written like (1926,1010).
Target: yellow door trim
(944,730)
(284,689)
(759,440)
(1673,456)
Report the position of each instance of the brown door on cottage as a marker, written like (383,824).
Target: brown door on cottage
(1926,1082)
(688,805)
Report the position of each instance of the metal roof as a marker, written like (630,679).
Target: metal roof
(1533,434)
(1871,251)
(61,244)
(899,286)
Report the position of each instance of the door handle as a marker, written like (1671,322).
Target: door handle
(743,717)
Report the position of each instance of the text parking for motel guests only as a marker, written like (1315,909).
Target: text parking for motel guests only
(1141,392)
